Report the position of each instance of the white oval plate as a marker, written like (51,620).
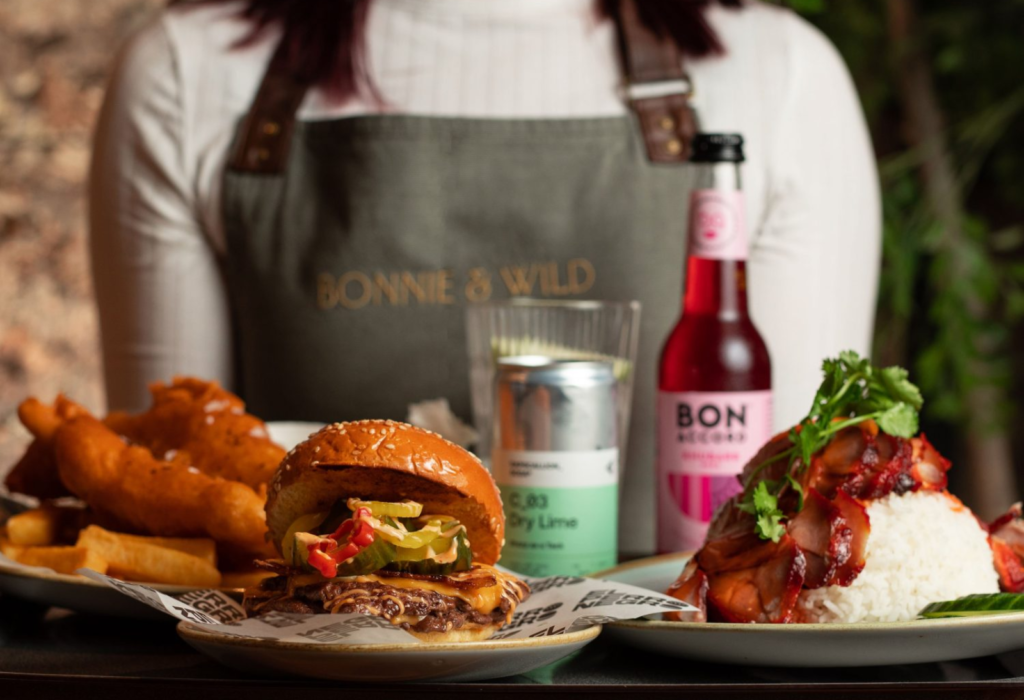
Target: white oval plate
(47,587)
(83,595)
(288,434)
(817,645)
(376,663)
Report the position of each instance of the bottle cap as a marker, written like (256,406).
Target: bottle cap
(717,148)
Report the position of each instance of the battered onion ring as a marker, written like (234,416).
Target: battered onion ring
(156,497)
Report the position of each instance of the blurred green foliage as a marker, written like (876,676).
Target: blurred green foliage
(930,287)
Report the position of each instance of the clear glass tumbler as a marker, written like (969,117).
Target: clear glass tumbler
(564,330)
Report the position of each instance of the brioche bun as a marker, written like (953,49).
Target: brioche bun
(383,460)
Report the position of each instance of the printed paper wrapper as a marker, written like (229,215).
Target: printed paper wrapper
(558,604)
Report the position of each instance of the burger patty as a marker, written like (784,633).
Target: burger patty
(436,612)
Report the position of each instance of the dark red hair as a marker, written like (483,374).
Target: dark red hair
(326,39)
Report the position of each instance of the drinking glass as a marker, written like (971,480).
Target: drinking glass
(561,330)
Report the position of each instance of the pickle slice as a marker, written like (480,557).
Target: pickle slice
(304,524)
(373,558)
(977,604)
(379,509)
(410,540)
(301,543)
(431,517)
(428,564)
(418,554)
(397,534)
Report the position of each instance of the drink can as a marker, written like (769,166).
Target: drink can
(556,461)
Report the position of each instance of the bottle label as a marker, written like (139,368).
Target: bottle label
(717,226)
(561,510)
(704,440)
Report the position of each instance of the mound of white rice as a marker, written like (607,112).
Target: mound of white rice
(924,547)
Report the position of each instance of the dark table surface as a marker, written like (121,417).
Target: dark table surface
(55,653)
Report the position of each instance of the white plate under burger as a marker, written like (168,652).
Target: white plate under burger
(807,645)
(378,663)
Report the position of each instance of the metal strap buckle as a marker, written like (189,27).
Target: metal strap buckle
(658,88)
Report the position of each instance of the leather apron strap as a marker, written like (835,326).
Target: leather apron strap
(265,135)
(656,88)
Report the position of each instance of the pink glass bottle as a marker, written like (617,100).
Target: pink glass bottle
(714,376)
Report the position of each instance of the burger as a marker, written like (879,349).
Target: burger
(386,519)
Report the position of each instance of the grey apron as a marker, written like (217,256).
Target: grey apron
(350,268)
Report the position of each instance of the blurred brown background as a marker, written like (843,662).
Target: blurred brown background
(54,56)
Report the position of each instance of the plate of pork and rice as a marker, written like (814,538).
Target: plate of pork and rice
(843,547)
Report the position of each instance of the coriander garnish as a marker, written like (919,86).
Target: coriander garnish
(853,391)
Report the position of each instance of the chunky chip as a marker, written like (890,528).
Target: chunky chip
(33,528)
(63,560)
(139,559)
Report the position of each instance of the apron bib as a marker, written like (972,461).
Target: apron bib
(350,267)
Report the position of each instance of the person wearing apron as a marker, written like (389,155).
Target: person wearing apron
(354,244)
